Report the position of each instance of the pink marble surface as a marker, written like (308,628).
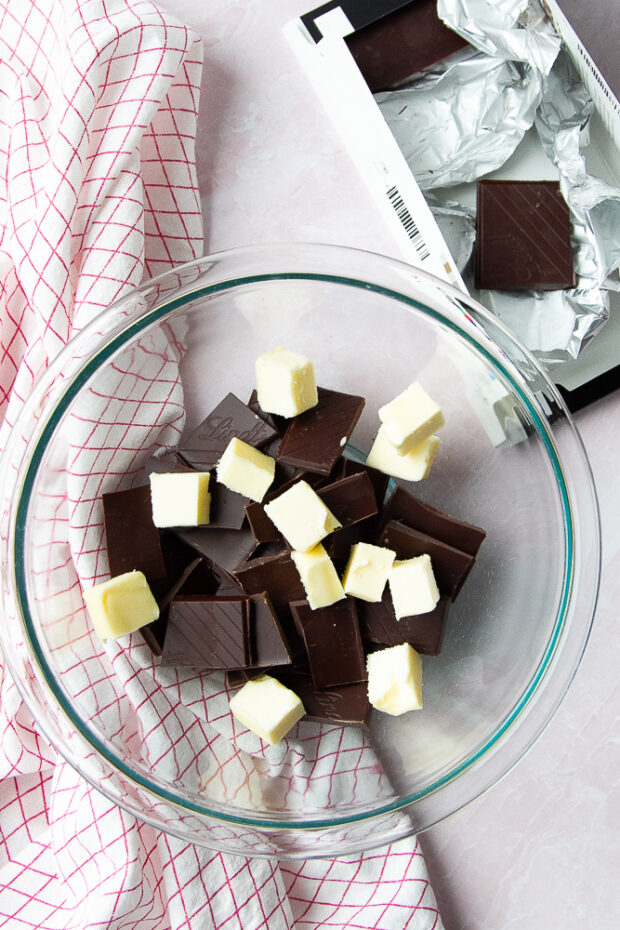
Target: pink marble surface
(541,849)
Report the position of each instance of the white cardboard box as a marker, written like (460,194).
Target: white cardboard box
(376,155)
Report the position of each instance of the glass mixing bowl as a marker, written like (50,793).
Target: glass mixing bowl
(161,745)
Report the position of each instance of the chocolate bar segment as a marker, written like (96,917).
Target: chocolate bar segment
(224,548)
(333,642)
(269,646)
(400,45)
(378,624)
(276,422)
(378,479)
(350,499)
(407,509)
(133,540)
(522,237)
(342,704)
(316,439)
(208,633)
(450,566)
(263,528)
(227,507)
(231,418)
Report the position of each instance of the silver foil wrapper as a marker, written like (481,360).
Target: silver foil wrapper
(462,120)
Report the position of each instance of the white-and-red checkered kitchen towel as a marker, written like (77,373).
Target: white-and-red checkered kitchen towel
(98,112)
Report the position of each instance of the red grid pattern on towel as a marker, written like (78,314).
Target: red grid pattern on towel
(98,190)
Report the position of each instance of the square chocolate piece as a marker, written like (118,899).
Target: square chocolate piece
(231,418)
(333,642)
(208,633)
(316,439)
(522,237)
(398,46)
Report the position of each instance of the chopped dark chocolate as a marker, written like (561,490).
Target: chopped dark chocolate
(276,422)
(208,633)
(133,540)
(316,439)
(270,646)
(224,548)
(378,479)
(522,237)
(342,704)
(227,507)
(450,566)
(398,46)
(260,524)
(404,507)
(231,418)
(333,642)
(378,624)
(350,499)
(274,573)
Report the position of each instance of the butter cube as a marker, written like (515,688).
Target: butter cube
(410,418)
(121,605)
(267,708)
(413,587)
(180,498)
(244,469)
(285,383)
(301,516)
(395,679)
(414,466)
(367,571)
(319,577)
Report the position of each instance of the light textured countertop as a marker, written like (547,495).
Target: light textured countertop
(542,848)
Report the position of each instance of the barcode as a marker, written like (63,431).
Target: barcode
(407,222)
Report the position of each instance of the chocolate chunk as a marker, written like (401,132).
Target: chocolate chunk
(378,624)
(400,45)
(276,422)
(274,573)
(522,237)
(350,499)
(342,704)
(269,644)
(404,507)
(338,544)
(231,418)
(316,439)
(133,540)
(227,507)
(450,566)
(224,548)
(333,642)
(236,677)
(378,479)
(260,524)
(208,633)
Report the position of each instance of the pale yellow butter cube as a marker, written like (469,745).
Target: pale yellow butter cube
(244,469)
(319,577)
(121,605)
(267,707)
(285,383)
(410,418)
(180,498)
(367,571)
(395,679)
(413,587)
(414,466)
(301,516)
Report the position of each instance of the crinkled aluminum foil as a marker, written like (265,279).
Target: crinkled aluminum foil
(514,30)
(453,126)
(464,119)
